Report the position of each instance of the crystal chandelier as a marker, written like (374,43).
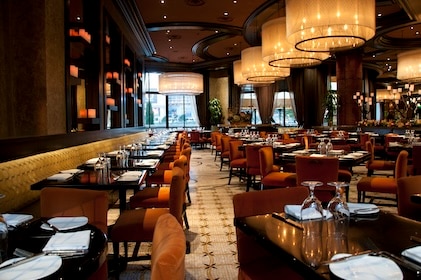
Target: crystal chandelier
(329,25)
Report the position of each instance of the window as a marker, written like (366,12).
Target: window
(283,109)
(182,109)
(248,104)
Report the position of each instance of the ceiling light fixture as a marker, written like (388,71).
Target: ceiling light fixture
(409,66)
(329,25)
(254,69)
(278,52)
(181,83)
(239,78)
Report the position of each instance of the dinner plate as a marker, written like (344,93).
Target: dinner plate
(413,253)
(366,267)
(363,208)
(66,223)
(37,268)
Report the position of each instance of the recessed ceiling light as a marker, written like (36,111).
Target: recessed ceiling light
(171,47)
(379,14)
(417,33)
(235,1)
(228,53)
(412,28)
(216,31)
(164,16)
(162,1)
(78,18)
(225,14)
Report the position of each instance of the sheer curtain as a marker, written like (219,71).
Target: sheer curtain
(191,99)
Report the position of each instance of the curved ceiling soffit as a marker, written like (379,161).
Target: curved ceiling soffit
(201,48)
(252,29)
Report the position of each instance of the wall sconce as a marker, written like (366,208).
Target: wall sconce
(110,101)
(87,113)
(74,71)
(127,62)
(364,101)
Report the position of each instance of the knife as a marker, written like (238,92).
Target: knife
(354,255)
(22,261)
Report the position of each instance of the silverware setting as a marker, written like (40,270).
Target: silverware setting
(352,256)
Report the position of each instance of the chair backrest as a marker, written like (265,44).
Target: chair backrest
(364,137)
(324,169)
(168,249)
(408,186)
(225,146)
(56,201)
(177,194)
(370,148)
(259,203)
(187,153)
(235,152)
(416,159)
(401,167)
(252,159)
(266,160)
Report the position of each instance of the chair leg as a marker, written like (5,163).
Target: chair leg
(188,193)
(229,178)
(248,182)
(186,221)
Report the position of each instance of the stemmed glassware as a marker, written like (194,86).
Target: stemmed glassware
(338,206)
(311,208)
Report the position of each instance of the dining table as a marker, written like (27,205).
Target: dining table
(119,180)
(381,240)
(31,237)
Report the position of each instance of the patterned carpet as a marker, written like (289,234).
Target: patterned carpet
(211,234)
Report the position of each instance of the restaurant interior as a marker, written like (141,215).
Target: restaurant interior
(120,119)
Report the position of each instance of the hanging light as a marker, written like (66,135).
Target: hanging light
(329,25)
(409,66)
(254,69)
(278,52)
(181,83)
(240,80)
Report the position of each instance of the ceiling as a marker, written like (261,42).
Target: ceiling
(209,34)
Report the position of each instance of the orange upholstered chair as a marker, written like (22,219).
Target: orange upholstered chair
(168,249)
(77,202)
(383,184)
(237,158)
(218,147)
(225,150)
(252,164)
(415,167)
(408,186)
(255,262)
(377,164)
(324,169)
(138,225)
(213,140)
(388,138)
(271,177)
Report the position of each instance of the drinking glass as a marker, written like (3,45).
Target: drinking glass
(311,208)
(338,206)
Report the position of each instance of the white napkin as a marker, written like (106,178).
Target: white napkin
(132,173)
(91,161)
(146,162)
(413,253)
(60,177)
(317,155)
(69,242)
(16,219)
(295,211)
(72,171)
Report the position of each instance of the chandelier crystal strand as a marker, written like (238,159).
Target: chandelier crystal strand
(181,83)
(329,25)
(409,66)
(254,69)
(278,52)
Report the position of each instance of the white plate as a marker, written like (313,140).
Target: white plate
(366,267)
(363,208)
(413,253)
(66,223)
(38,268)
(16,219)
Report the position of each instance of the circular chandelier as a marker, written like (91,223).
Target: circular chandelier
(329,25)
(254,69)
(240,80)
(181,83)
(278,52)
(409,66)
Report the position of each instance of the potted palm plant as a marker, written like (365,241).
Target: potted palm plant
(215,110)
(330,106)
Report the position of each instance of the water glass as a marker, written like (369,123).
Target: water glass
(337,206)
(311,208)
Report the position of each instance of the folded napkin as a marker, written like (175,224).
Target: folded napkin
(145,162)
(68,242)
(14,220)
(362,208)
(132,173)
(295,211)
(413,253)
(91,161)
(60,177)
(317,155)
(72,171)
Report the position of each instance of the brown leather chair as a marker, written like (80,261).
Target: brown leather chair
(382,184)
(238,161)
(271,177)
(408,186)
(168,249)
(138,225)
(377,164)
(324,169)
(77,202)
(255,262)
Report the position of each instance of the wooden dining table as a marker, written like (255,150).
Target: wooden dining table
(386,233)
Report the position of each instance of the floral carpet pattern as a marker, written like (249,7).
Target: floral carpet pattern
(212,233)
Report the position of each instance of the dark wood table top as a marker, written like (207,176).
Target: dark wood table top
(31,237)
(383,231)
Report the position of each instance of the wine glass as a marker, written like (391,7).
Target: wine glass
(311,208)
(338,206)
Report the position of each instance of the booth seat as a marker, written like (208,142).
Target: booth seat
(17,176)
